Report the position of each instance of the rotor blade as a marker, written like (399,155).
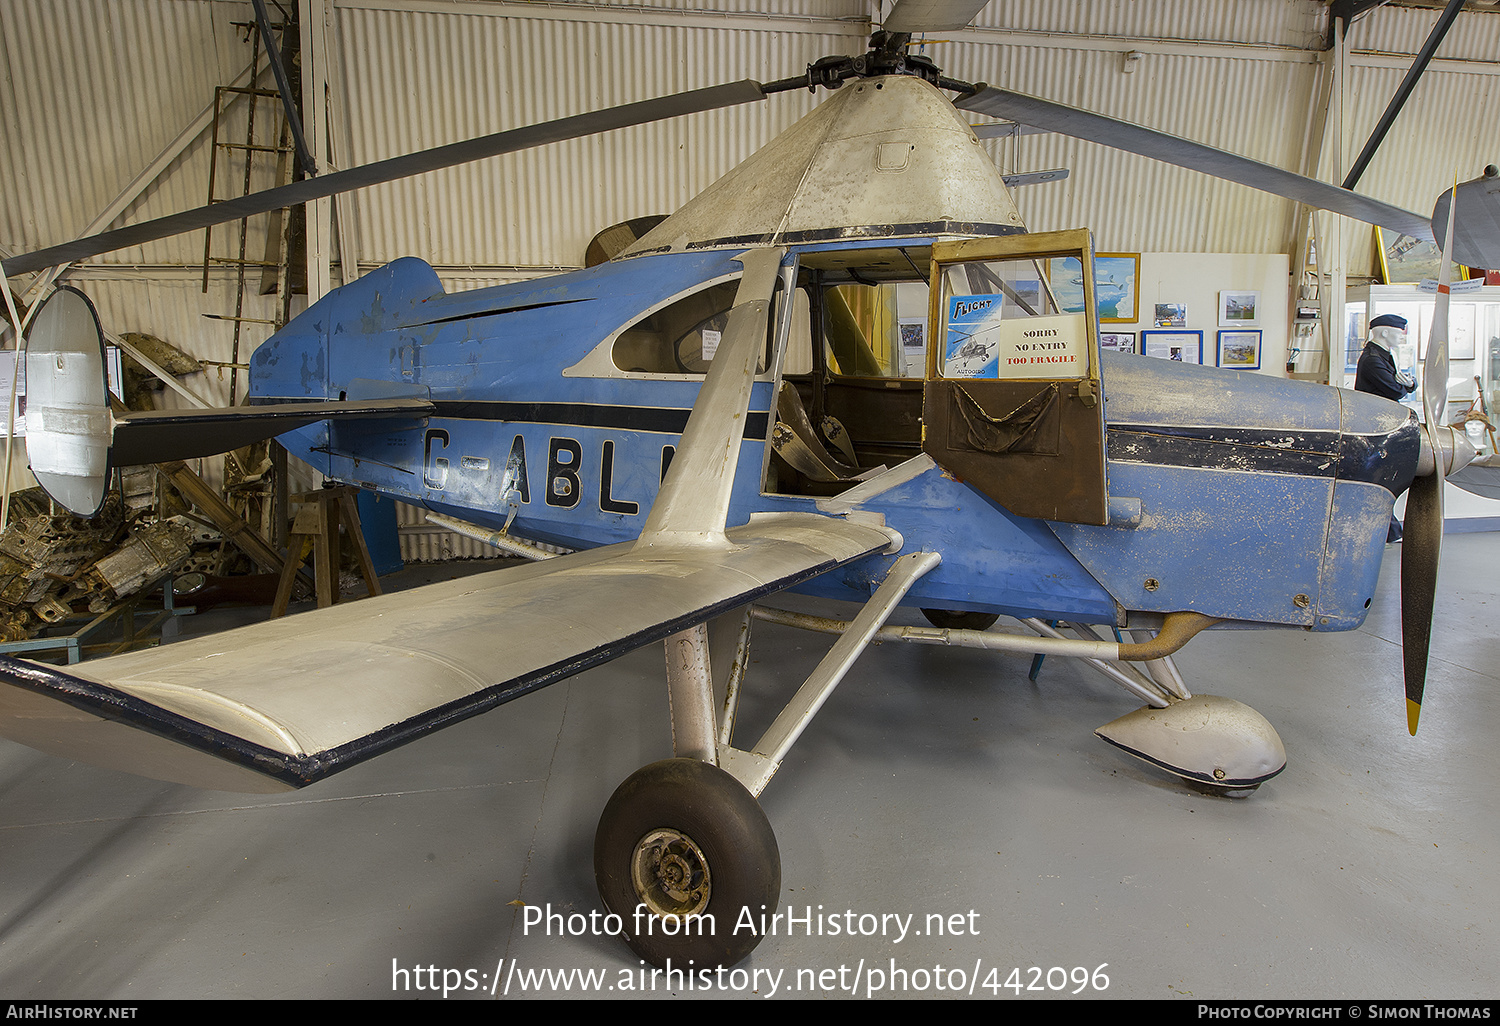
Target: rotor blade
(1059,117)
(931,15)
(1056,174)
(1476,234)
(381,171)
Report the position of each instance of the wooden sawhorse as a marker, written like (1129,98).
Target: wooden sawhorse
(318,519)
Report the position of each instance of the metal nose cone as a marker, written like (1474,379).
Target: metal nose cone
(1457,450)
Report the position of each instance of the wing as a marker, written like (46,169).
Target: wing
(282,704)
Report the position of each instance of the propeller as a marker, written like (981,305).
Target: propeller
(1422,537)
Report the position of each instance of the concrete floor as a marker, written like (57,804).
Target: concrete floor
(933,782)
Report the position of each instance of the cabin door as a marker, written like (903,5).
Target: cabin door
(1012,402)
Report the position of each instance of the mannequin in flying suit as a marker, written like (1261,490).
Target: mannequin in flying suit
(1377,374)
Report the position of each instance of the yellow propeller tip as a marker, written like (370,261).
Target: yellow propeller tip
(1413,713)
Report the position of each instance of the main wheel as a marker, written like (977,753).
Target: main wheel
(683,855)
(953,619)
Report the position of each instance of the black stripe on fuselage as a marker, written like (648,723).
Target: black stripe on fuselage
(662,419)
(1387,460)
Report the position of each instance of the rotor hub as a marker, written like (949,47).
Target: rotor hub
(887,56)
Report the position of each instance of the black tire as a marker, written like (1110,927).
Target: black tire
(956,620)
(679,816)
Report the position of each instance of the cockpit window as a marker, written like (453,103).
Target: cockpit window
(680,338)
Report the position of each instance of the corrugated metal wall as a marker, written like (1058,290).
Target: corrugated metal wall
(97,88)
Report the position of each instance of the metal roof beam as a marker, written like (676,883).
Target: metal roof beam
(1413,74)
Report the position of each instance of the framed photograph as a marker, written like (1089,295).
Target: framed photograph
(913,346)
(1027,294)
(1170,315)
(1239,309)
(1115,278)
(1406,261)
(1183,346)
(1239,350)
(1117,341)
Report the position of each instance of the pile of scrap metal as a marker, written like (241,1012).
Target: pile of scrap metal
(54,566)
(161,520)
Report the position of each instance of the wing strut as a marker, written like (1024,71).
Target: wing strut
(755,768)
(693,504)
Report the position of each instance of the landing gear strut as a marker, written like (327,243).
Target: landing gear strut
(684,856)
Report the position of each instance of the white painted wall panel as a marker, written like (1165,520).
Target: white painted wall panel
(1474,36)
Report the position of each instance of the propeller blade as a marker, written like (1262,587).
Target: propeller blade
(390,170)
(1421,540)
(931,15)
(1476,237)
(1422,536)
(1122,135)
(1482,477)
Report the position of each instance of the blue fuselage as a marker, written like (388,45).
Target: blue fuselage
(1259,499)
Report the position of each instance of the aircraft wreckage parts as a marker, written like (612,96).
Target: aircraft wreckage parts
(682,851)
(1213,741)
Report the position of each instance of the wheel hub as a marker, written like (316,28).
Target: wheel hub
(670,874)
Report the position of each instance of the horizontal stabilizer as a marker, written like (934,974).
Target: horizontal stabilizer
(159,436)
(282,704)
(74,438)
